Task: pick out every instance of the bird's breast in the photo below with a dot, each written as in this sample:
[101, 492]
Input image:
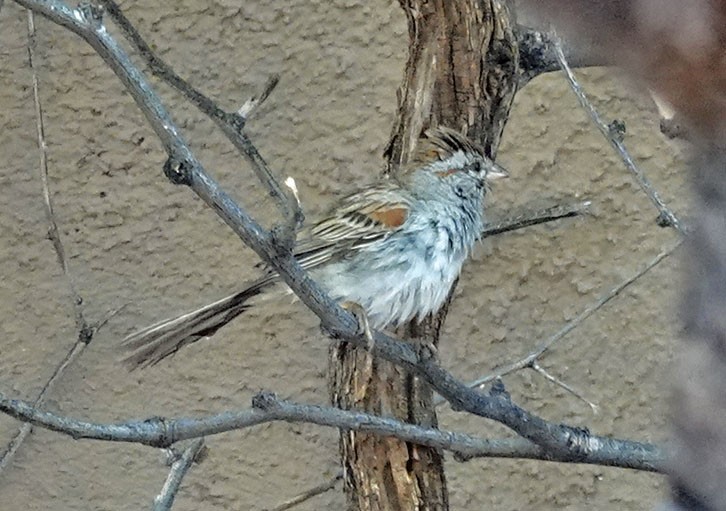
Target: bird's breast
[405, 276]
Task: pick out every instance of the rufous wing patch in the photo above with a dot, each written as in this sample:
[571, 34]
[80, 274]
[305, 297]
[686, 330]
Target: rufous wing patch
[432, 154]
[447, 172]
[390, 217]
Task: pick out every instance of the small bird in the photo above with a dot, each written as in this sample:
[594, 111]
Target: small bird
[393, 248]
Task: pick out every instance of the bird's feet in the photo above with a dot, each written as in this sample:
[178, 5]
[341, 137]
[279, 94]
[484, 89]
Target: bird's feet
[363, 324]
[427, 350]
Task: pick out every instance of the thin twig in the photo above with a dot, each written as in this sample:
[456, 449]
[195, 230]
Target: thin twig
[160, 69]
[182, 167]
[78, 347]
[231, 124]
[545, 345]
[540, 216]
[250, 106]
[614, 134]
[309, 494]
[538, 368]
[85, 331]
[53, 233]
[179, 468]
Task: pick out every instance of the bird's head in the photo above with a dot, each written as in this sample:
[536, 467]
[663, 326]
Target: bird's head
[446, 152]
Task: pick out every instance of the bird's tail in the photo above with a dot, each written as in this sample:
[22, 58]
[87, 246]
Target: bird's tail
[153, 344]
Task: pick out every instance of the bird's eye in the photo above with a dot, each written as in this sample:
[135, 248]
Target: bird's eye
[475, 167]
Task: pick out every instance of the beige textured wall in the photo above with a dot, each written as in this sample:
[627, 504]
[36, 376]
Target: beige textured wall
[133, 239]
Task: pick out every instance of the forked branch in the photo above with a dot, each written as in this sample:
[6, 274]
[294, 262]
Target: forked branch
[266, 407]
[556, 440]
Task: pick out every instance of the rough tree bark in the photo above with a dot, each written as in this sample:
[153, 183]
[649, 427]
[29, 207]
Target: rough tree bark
[462, 73]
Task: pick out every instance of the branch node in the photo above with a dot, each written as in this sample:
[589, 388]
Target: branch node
[202, 454]
[578, 441]
[427, 351]
[664, 220]
[165, 438]
[456, 405]
[86, 333]
[617, 130]
[235, 120]
[178, 170]
[462, 457]
[265, 401]
[332, 332]
[282, 239]
[90, 14]
[499, 390]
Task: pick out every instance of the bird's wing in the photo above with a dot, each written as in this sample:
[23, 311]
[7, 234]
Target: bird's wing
[358, 220]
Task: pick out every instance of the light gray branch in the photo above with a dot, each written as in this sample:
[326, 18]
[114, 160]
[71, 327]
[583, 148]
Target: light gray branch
[231, 124]
[545, 345]
[266, 407]
[614, 134]
[557, 440]
[530, 218]
[85, 331]
[567, 387]
[309, 494]
[179, 468]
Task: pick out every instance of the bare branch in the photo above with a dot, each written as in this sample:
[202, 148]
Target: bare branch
[307, 495]
[182, 167]
[266, 407]
[540, 216]
[545, 345]
[85, 331]
[231, 124]
[614, 134]
[53, 234]
[160, 69]
[179, 468]
[78, 347]
[539, 369]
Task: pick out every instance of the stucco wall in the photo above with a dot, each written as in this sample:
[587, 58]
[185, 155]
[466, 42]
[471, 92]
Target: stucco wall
[133, 239]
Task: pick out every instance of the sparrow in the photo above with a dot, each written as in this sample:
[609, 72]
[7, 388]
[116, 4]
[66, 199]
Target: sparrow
[394, 248]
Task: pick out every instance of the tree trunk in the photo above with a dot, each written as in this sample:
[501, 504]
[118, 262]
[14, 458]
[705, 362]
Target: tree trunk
[461, 73]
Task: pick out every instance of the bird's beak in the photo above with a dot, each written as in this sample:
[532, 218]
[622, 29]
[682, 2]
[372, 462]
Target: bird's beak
[497, 172]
